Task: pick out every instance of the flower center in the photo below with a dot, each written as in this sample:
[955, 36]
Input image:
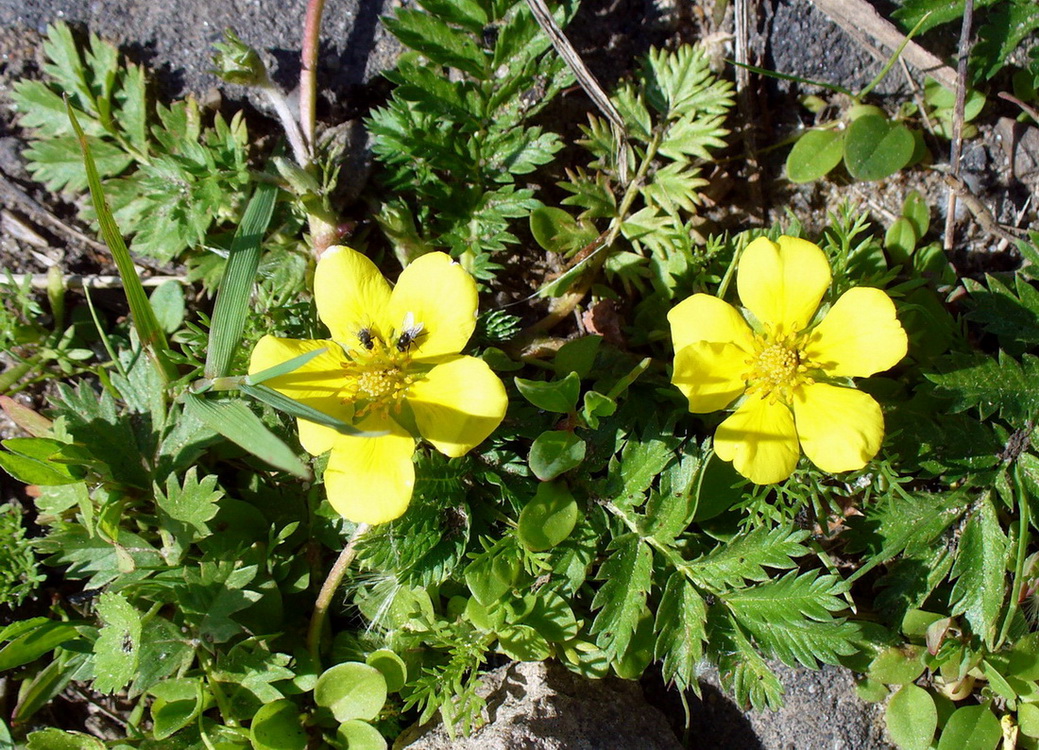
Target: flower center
[377, 374]
[777, 367]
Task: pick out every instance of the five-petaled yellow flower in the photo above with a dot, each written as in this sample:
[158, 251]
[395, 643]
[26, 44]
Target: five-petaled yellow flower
[393, 366]
[785, 372]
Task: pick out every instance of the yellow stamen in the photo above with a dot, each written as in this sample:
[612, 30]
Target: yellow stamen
[778, 367]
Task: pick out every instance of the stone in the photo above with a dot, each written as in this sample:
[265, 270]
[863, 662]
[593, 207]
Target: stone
[544, 706]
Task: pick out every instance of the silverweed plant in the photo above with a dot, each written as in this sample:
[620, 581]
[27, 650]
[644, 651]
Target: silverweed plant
[314, 508]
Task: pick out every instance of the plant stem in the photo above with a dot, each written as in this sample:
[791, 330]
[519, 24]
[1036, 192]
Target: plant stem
[300, 150]
[328, 589]
[308, 72]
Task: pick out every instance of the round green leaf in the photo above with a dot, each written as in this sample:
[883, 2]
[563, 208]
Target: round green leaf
[897, 665]
[360, 735]
[900, 239]
[278, 726]
[971, 728]
[555, 395]
[554, 452]
[1028, 719]
[392, 667]
[911, 718]
[351, 691]
[548, 518]
[875, 147]
[59, 739]
[815, 153]
[916, 209]
[557, 231]
[550, 614]
[523, 643]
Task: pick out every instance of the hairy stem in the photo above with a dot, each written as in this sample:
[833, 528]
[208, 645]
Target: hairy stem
[328, 590]
[308, 72]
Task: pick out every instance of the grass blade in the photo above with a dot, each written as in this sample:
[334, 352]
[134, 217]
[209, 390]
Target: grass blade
[288, 405]
[147, 325]
[232, 300]
[234, 420]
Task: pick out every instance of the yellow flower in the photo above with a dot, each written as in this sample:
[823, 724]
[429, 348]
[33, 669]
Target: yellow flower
[784, 371]
[393, 366]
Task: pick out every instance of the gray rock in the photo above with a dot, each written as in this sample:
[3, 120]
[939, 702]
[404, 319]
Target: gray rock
[544, 706]
[177, 38]
[821, 711]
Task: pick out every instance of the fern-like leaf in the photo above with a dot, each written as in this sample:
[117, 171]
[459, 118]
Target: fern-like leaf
[681, 630]
[747, 557]
[622, 598]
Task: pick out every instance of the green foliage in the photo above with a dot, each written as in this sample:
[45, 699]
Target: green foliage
[596, 526]
[19, 574]
[1002, 26]
[168, 176]
[456, 134]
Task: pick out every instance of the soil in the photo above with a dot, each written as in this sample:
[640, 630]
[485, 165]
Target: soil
[175, 41]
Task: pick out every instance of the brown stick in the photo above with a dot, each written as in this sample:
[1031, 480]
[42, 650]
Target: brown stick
[957, 121]
[858, 17]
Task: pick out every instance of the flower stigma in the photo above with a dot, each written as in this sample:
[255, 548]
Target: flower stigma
[377, 376]
[777, 368]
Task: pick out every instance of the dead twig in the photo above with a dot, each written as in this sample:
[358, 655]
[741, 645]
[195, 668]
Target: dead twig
[981, 213]
[957, 121]
[11, 192]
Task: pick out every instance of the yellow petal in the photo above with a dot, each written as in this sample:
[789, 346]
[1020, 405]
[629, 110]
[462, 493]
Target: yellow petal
[370, 480]
[706, 318]
[709, 374]
[760, 440]
[351, 295]
[782, 283]
[436, 299]
[859, 336]
[458, 404]
[317, 384]
[840, 429]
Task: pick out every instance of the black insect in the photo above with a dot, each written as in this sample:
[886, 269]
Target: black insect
[366, 338]
[127, 643]
[407, 338]
[409, 332]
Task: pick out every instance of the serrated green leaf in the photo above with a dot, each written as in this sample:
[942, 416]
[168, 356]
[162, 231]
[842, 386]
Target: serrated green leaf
[442, 44]
[931, 13]
[680, 81]
[675, 186]
[622, 598]
[746, 557]
[790, 617]
[1005, 28]
[117, 645]
[681, 630]
[1010, 314]
[742, 669]
[980, 571]
[692, 137]
[43, 111]
[58, 162]
[992, 385]
[189, 507]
